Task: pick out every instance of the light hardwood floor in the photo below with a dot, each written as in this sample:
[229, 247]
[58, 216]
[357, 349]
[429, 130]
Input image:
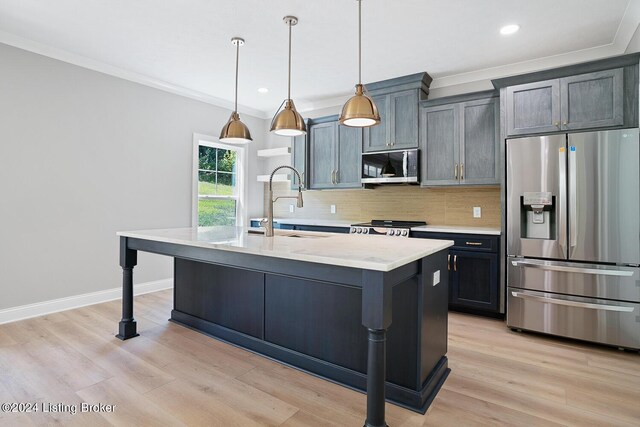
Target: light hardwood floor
[171, 375]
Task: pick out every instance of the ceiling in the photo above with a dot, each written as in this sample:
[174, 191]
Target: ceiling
[184, 46]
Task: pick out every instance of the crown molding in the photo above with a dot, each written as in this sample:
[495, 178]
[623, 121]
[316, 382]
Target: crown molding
[101, 67]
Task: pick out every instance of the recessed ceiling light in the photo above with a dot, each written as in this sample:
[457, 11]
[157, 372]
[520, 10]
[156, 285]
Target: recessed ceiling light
[509, 29]
[263, 90]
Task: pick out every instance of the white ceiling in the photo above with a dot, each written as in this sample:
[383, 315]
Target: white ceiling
[184, 45]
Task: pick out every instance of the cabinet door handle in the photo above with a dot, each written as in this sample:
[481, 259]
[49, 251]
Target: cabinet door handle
[448, 262]
[556, 124]
[455, 171]
[473, 243]
[455, 263]
[462, 171]
[333, 175]
[566, 122]
[337, 176]
[302, 176]
[393, 143]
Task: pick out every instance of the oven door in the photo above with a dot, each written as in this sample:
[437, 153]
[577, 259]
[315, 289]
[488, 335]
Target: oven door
[388, 167]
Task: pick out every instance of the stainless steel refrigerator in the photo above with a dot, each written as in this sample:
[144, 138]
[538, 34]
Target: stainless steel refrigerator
[573, 236]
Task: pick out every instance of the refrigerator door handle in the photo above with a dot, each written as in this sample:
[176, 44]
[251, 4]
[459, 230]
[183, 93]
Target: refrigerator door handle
[562, 301]
[544, 265]
[562, 202]
[573, 204]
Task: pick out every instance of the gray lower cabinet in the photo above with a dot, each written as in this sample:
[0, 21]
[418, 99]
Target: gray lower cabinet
[460, 143]
[398, 128]
[474, 273]
[335, 156]
[585, 101]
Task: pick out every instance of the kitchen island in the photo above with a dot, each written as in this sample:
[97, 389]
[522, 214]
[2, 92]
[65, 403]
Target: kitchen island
[353, 309]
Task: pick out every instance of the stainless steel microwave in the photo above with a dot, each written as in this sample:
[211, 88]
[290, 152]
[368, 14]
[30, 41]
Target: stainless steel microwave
[391, 167]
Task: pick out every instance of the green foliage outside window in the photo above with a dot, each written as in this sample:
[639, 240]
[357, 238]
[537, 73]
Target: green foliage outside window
[216, 177]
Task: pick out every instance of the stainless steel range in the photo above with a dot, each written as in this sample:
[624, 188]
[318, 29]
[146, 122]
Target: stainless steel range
[386, 227]
[573, 231]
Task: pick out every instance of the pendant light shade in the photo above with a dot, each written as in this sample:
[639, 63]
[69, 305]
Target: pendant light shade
[288, 122]
[234, 131]
[360, 110]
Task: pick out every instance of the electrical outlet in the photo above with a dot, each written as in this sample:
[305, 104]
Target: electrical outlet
[333, 209]
[436, 277]
[477, 212]
[292, 208]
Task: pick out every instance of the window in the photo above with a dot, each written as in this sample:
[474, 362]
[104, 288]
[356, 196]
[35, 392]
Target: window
[218, 183]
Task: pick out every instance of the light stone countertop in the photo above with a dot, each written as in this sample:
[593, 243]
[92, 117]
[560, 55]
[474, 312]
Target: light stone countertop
[379, 253]
[461, 229]
[318, 222]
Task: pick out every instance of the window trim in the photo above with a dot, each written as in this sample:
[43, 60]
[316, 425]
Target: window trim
[241, 177]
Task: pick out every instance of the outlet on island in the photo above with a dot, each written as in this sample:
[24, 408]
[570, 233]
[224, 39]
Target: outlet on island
[292, 208]
[333, 209]
[477, 212]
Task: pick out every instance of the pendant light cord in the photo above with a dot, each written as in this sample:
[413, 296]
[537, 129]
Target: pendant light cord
[237, 62]
[359, 41]
[289, 87]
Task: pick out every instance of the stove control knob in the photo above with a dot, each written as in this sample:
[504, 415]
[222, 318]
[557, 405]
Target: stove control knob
[365, 231]
[359, 230]
[405, 232]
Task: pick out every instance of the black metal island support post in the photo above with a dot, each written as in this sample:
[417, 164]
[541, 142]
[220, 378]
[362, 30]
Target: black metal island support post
[274, 296]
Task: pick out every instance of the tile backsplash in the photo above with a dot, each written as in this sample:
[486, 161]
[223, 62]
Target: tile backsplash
[437, 206]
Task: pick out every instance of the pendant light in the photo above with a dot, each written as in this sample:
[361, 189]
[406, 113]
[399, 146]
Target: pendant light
[235, 132]
[360, 110]
[288, 122]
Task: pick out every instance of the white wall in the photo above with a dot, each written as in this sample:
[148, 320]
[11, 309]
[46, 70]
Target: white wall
[82, 155]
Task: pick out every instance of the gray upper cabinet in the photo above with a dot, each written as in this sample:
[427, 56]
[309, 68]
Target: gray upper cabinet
[533, 108]
[322, 154]
[398, 128]
[403, 123]
[586, 101]
[460, 143]
[335, 155]
[440, 130]
[349, 162]
[480, 139]
[299, 159]
[376, 137]
[592, 100]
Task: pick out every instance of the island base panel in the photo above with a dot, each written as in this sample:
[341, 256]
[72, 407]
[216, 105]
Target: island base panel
[415, 400]
[316, 326]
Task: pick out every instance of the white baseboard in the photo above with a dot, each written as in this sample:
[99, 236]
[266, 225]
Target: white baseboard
[61, 304]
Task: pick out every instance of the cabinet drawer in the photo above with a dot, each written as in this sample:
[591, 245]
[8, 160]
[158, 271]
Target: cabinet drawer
[477, 242]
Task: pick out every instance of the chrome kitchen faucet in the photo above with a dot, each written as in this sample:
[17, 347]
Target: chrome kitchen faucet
[268, 222]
